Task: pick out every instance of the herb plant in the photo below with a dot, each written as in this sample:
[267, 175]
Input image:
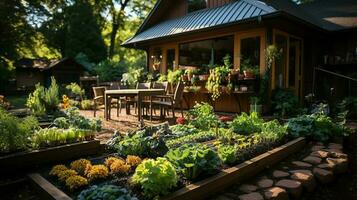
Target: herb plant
[156, 177]
[193, 160]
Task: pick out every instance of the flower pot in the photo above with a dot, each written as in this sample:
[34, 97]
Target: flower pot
[248, 74]
[256, 108]
[203, 77]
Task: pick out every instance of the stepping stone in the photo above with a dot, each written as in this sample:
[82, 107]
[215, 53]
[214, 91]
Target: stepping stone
[248, 188]
[231, 195]
[338, 155]
[324, 176]
[306, 178]
[265, 183]
[276, 193]
[335, 146]
[319, 143]
[326, 166]
[222, 197]
[301, 164]
[317, 147]
[305, 171]
[292, 186]
[332, 151]
[320, 154]
[280, 174]
[312, 160]
[251, 196]
[340, 165]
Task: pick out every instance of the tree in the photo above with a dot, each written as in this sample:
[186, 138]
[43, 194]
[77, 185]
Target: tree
[83, 33]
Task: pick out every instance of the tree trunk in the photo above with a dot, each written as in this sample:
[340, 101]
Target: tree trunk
[113, 34]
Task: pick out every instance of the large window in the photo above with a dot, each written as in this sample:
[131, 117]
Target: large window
[250, 51]
[206, 52]
[193, 5]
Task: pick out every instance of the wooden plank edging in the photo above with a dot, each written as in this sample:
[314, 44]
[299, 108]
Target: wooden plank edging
[203, 189]
[46, 189]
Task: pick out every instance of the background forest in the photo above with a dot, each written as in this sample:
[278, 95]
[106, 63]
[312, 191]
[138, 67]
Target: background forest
[90, 31]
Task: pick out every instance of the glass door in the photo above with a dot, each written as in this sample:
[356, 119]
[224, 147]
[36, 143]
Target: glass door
[170, 59]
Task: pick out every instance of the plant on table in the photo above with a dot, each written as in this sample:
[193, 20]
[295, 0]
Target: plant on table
[193, 160]
[215, 79]
[155, 177]
[249, 70]
[247, 124]
[174, 77]
[107, 192]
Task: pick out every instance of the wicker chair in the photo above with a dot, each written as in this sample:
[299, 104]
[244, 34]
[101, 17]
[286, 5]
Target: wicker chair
[170, 101]
[98, 99]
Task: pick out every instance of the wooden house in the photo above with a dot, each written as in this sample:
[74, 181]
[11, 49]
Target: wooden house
[29, 72]
[196, 33]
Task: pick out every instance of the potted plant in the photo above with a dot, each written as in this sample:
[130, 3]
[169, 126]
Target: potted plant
[189, 73]
[255, 105]
[248, 69]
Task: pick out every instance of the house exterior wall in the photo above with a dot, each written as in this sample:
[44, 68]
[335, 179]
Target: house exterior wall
[28, 78]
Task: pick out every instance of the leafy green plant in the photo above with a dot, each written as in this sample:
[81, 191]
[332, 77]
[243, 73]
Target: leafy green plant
[49, 137]
[14, 132]
[228, 154]
[76, 90]
[316, 126]
[203, 116]
[74, 120]
[215, 79]
[43, 100]
[162, 78]
[247, 124]
[247, 66]
[110, 70]
[174, 77]
[107, 192]
[193, 160]
[86, 104]
[193, 137]
[156, 177]
[285, 103]
[273, 130]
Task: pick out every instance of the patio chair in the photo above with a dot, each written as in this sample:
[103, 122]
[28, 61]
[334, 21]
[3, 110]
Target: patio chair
[98, 99]
[170, 101]
[121, 100]
[133, 101]
[156, 85]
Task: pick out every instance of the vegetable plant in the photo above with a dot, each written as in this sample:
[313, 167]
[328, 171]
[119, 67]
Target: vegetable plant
[107, 192]
[193, 160]
[228, 154]
[203, 116]
[156, 177]
[76, 90]
[285, 103]
[247, 124]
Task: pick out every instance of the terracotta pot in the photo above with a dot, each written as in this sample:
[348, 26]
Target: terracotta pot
[248, 74]
[203, 77]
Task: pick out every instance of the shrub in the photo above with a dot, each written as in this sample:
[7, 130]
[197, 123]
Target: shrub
[192, 160]
[14, 132]
[247, 124]
[80, 165]
[203, 116]
[107, 192]
[76, 182]
[109, 70]
[76, 90]
[285, 103]
[96, 172]
[43, 100]
[55, 171]
[156, 177]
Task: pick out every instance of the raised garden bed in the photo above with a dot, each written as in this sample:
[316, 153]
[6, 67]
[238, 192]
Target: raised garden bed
[204, 188]
[34, 158]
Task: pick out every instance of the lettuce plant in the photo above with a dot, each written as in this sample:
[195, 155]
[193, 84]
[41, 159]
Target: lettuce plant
[247, 124]
[193, 160]
[156, 177]
[228, 154]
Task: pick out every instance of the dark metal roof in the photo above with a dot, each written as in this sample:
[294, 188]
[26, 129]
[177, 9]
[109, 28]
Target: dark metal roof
[208, 18]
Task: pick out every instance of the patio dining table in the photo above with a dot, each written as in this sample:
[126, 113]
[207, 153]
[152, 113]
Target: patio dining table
[140, 93]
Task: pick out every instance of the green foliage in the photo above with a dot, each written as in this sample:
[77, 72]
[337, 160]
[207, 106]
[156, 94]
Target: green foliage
[76, 90]
[44, 101]
[193, 160]
[147, 142]
[228, 154]
[156, 177]
[316, 126]
[182, 130]
[162, 78]
[203, 116]
[107, 192]
[192, 137]
[348, 104]
[273, 130]
[215, 79]
[247, 124]
[49, 137]
[174, 77]
[285, 103]
[86, 105]
[111, 70]
[74, 120]
[247, 66]
[14, 132]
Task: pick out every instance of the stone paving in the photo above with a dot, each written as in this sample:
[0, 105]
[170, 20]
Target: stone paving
[291, 180]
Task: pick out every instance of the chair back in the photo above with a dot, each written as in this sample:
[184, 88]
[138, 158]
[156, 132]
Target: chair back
[143, 86]
[161, 85]
[178, 95]
[98, 91]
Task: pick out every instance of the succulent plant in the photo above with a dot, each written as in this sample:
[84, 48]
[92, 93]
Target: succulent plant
[76, 182]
